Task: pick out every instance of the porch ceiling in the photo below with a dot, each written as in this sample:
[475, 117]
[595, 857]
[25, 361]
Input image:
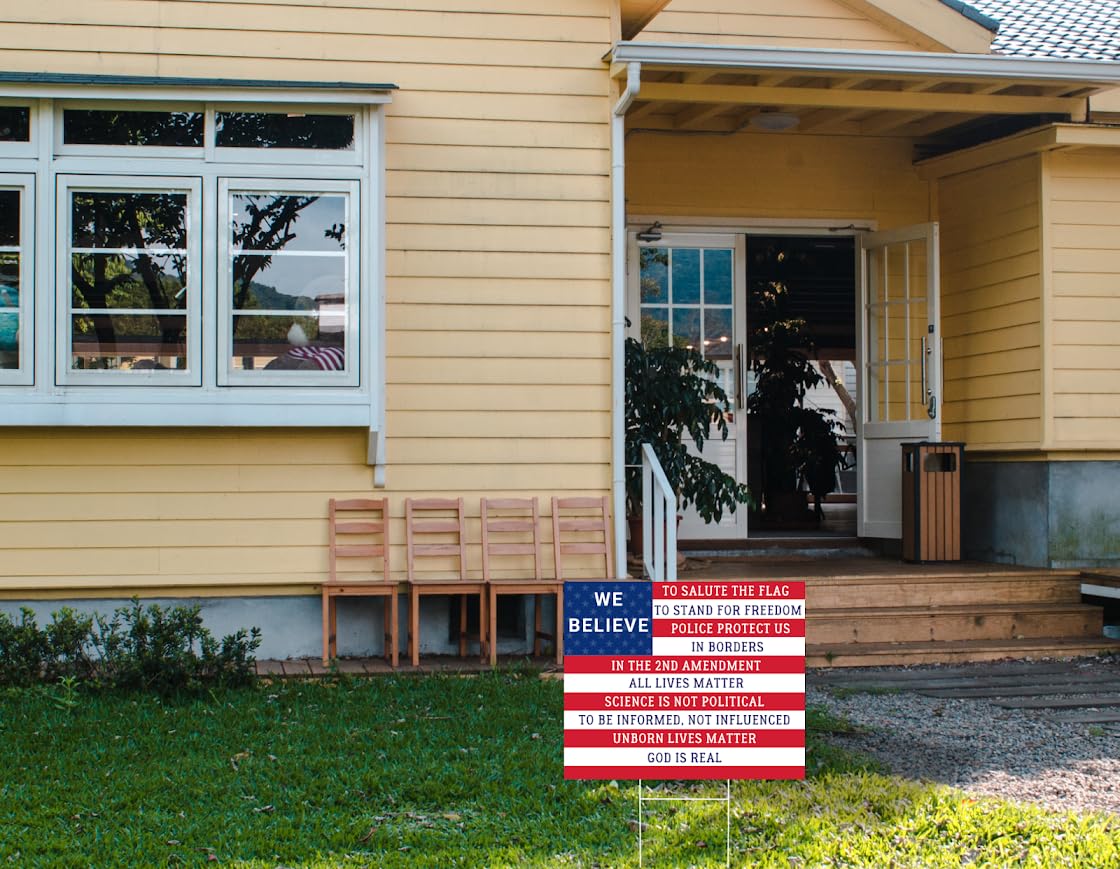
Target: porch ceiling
[908, 94]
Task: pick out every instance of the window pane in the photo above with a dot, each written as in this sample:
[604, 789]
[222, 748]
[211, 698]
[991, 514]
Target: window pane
[274, 342]
[129, 342]
[129, 289]
[289, 222]
[686, 327]
[686, 276]
[655, 327]
[655, 273]
[277, 130]
[291, 282]
[717, 333]
[106, 127]
[717, 277]
[120, 280]
[9, 218]
[9, 279]
[121, 219]
[15, 124]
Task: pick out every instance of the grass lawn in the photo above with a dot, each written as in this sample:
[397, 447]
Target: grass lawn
[445, 771]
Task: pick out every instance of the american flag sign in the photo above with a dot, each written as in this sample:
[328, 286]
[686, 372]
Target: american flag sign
[684, 680]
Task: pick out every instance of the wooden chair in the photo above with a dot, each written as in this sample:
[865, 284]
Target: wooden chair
[437, 528]
[355, 526]
[511, 528]
[582, 526]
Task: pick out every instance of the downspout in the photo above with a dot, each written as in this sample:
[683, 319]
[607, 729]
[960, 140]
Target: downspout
[618, 310]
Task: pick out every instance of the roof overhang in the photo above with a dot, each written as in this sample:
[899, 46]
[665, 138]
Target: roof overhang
[916, 94]
[62, 85]
[935, 24]
[636, 14]
[1055, 137]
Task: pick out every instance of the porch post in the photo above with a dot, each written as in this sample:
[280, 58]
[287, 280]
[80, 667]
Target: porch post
[618, 311]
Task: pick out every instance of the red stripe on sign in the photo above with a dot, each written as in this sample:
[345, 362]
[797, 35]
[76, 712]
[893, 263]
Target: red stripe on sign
[724, 629]
[744, 589]
[684, 738]
[690, 701]
[682, 664]
[683, 773]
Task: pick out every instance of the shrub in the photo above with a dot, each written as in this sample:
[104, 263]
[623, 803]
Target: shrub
[152, 648]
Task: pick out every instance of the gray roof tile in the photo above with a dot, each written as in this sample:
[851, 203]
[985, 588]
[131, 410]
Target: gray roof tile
[1072, 29]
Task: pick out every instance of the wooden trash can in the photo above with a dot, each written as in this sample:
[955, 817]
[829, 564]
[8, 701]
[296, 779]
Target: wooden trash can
[931, 501]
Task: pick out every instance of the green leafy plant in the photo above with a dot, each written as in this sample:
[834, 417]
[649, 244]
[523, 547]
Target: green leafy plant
[798, 443]
[24, 649]
[671, 394]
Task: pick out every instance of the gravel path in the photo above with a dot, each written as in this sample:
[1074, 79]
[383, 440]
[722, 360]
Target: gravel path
[984, 749]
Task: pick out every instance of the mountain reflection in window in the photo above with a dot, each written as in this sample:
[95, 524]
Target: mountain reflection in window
[109, 127]
[291, 281]
[129, 289]
[276, 130]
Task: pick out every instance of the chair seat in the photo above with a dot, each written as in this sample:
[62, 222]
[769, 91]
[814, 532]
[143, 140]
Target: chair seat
[360, 587]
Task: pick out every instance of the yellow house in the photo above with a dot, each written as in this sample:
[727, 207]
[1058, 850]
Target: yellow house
[256, 255]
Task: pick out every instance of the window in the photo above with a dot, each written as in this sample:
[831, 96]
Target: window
[16, 285]
[210, 263]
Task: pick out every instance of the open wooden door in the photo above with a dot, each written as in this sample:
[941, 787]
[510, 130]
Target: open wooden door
[900, 366]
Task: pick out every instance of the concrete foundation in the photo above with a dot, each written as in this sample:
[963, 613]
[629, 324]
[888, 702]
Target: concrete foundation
[291, 627]
[1042, 514]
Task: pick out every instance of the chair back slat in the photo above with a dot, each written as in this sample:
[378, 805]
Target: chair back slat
[505, 524]
[359, 528]
[574, 520]
[422, 519]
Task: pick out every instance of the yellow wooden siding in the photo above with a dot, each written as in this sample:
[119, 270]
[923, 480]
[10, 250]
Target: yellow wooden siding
[1084, 228]
[761, 175]
[498, 293]
[991, 304]
[795, 23]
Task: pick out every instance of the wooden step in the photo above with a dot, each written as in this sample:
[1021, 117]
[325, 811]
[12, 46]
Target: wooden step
[944, 589]
[971, 622]
[952, 651]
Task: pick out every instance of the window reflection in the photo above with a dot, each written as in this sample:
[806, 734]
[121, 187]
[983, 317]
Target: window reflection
[106, 127]
[15, 124]
[288, 130]
[129, 284]
[9, 279]
[291, 281]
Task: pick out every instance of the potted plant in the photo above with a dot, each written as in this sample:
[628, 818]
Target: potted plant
[671, 395]
[798, 443]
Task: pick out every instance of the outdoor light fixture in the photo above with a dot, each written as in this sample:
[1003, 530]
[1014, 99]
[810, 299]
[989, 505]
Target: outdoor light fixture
[774, 122]
[651, 232]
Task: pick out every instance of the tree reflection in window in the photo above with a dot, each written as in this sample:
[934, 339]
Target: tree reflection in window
[9, 279]
[129, 284]
[276, 130]
[290, 281]
[108, 127]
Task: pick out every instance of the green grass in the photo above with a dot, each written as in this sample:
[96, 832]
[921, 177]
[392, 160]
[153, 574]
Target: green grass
[447, 771]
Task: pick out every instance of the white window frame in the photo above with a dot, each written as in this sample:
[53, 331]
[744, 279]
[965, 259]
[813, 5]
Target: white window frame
[45, 401]
[227, 374]
[189, 376]
[25, 184]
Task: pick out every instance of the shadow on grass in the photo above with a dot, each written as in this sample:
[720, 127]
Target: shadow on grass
[442, 771]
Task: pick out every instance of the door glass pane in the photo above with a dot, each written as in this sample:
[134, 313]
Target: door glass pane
[284, 130]
[654, 274]
[10, 254]
[655, 327]
[109, 127]
[897, 320]
[717, 277]
[686, 276]
[291, 282]
[129, 288]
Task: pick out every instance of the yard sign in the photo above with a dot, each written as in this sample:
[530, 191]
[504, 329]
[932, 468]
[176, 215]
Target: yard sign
[684, 680]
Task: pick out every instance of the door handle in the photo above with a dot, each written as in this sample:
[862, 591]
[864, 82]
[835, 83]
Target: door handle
[927, 391]
[738, 378]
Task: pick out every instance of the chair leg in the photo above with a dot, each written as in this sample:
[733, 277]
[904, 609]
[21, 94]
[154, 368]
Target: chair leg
[326, 630]
[537, 600]
[332, 611]
[559, 642]
[414, 627]
[492, 625]
[390, 649]
[463, 626]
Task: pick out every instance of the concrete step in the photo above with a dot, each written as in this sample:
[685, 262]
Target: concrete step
[946, 588]
[952, 651]
[1004, 621]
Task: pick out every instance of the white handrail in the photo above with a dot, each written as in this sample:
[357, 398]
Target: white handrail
[659, 520]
